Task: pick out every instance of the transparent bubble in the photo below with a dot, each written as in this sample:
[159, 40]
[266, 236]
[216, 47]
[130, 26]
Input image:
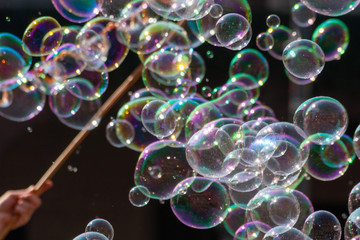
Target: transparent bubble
[273, 21]
[302, 16]
[303, 59]
[297, 80]
[354, 198]
[234, 219]
[77, 11]
[306, 208]
[282, 37]
[169, 160]
[251, 231]
[139, 196]
[119, 133]
[285, 233]
[62, 102]
[112, 8]
[200, 209]
[352, 225]
[333, 37]
[332, 7]
[101, 226]
[158, 118]
[274, 206]
[264, 41]
[356, 142]
[322, 224]
[324, 119]
[216, 11]
[91, 236]
[35, 33]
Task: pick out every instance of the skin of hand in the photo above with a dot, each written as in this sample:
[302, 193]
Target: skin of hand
[22, 203]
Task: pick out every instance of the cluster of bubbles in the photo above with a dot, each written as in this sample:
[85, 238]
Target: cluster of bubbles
[221, 158]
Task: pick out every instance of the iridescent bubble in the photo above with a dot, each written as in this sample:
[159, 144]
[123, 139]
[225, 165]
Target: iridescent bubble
[265, 41]
[335, 154]
[91, 236]
[352, 225]
[158, 118]
[6, 98]
[78, 11]
[356, 142]
[250, 231]
[35, 33]
[282, 37]
[62, 102]
[200, 209]
[303, 58]
[333, 37]
[332, 7]
[101, 226]
[241, 199]
[324, 119]
[119, 133]
[322, 225]
[169, 160]
[285, 233]
[231, 28]
[216, 11]
[234, 219]
[273, 21]
[252, 62]
[190, 10]
[274, 206]
[354, 198]
[139, 196]
[306, 208]
[302, 16]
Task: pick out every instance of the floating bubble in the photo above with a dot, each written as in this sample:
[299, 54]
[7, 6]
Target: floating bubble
[356, 142]
[241, 199]
[101, 226]
[332, 7]
[158, 118]
[77, 11]
[169, 160]
[264, 41]
[12, 67]
[234, 219]
[274, 206]
[119, 133]
[303, 59]
[282, 37]
[352, 225]
[216, 11]
[91, 235]
[139, 196]
[112, 9]
[297, 80]
[35, 33]
[333, 37]
[302, 16]
[324, 119]
[322, 224]
[273, 21]
[306, 208]
[354, 198]
[6, 98]
[200, 209]
[285, 233]
[62, 102]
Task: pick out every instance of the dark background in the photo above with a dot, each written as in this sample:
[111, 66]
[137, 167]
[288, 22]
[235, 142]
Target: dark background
[105, 174]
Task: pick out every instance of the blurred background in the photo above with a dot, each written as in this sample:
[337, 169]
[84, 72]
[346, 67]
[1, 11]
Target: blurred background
[96, 180]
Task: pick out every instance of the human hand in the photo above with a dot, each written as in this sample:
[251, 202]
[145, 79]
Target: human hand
[21, 203]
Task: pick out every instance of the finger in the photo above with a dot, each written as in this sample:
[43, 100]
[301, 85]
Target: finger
[9, 199]
[32, 199]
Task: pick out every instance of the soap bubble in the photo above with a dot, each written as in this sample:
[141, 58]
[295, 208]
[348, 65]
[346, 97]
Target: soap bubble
[324, 119]
[120, 133]
[112, 9]
[241, 199]
[234, 219]
[161, 166]
[322, 224]
[101, 226]
[282, 37]
[216, 11]
[91, 236]
[333, 37]
[265, 41]
[139, 196]
[273, 21]
[297, 80]
[77, 11]
[306, 208]
[357, 141]
[250, 231]
[302, 16]
[303, 58]
[200, 203]
[285, 233]
[62, 102]
[354, 198]
[332, 7]
[158, 118]
[352, 225]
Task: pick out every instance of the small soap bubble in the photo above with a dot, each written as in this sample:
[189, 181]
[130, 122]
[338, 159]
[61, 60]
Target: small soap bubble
[273, 21]
[302, 16]
[29, 129]
[101, 226]
[139, 196]
[265, 41]
[210, 54]
[206, 91]
[216, 11]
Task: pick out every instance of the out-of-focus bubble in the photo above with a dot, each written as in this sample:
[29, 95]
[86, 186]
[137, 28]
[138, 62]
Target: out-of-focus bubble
[101, 226]
[274, 206]
[302, 16]
[322, 225]
[231, 28]
[200, 209]
[260, 112]
[159, 118]
[273, 21]
[303, 58]
[324, 119]
[282, 37]
[252, 62]
[210, 54]
[6, 98]
[332, 7]
[27, 101]
[216, 11]
[234, 219]
[354, 198]
[83, 115]
[35, 33]
[333, 37]
[315, 165]
[285, 233]
[91, 235]
[78, 11]
[169, 160]
[265, 41]
[352, 225]
[112, 8]
[139, 196]
[119, 133]
[12, 67]
[306, 208]
[62, 102]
